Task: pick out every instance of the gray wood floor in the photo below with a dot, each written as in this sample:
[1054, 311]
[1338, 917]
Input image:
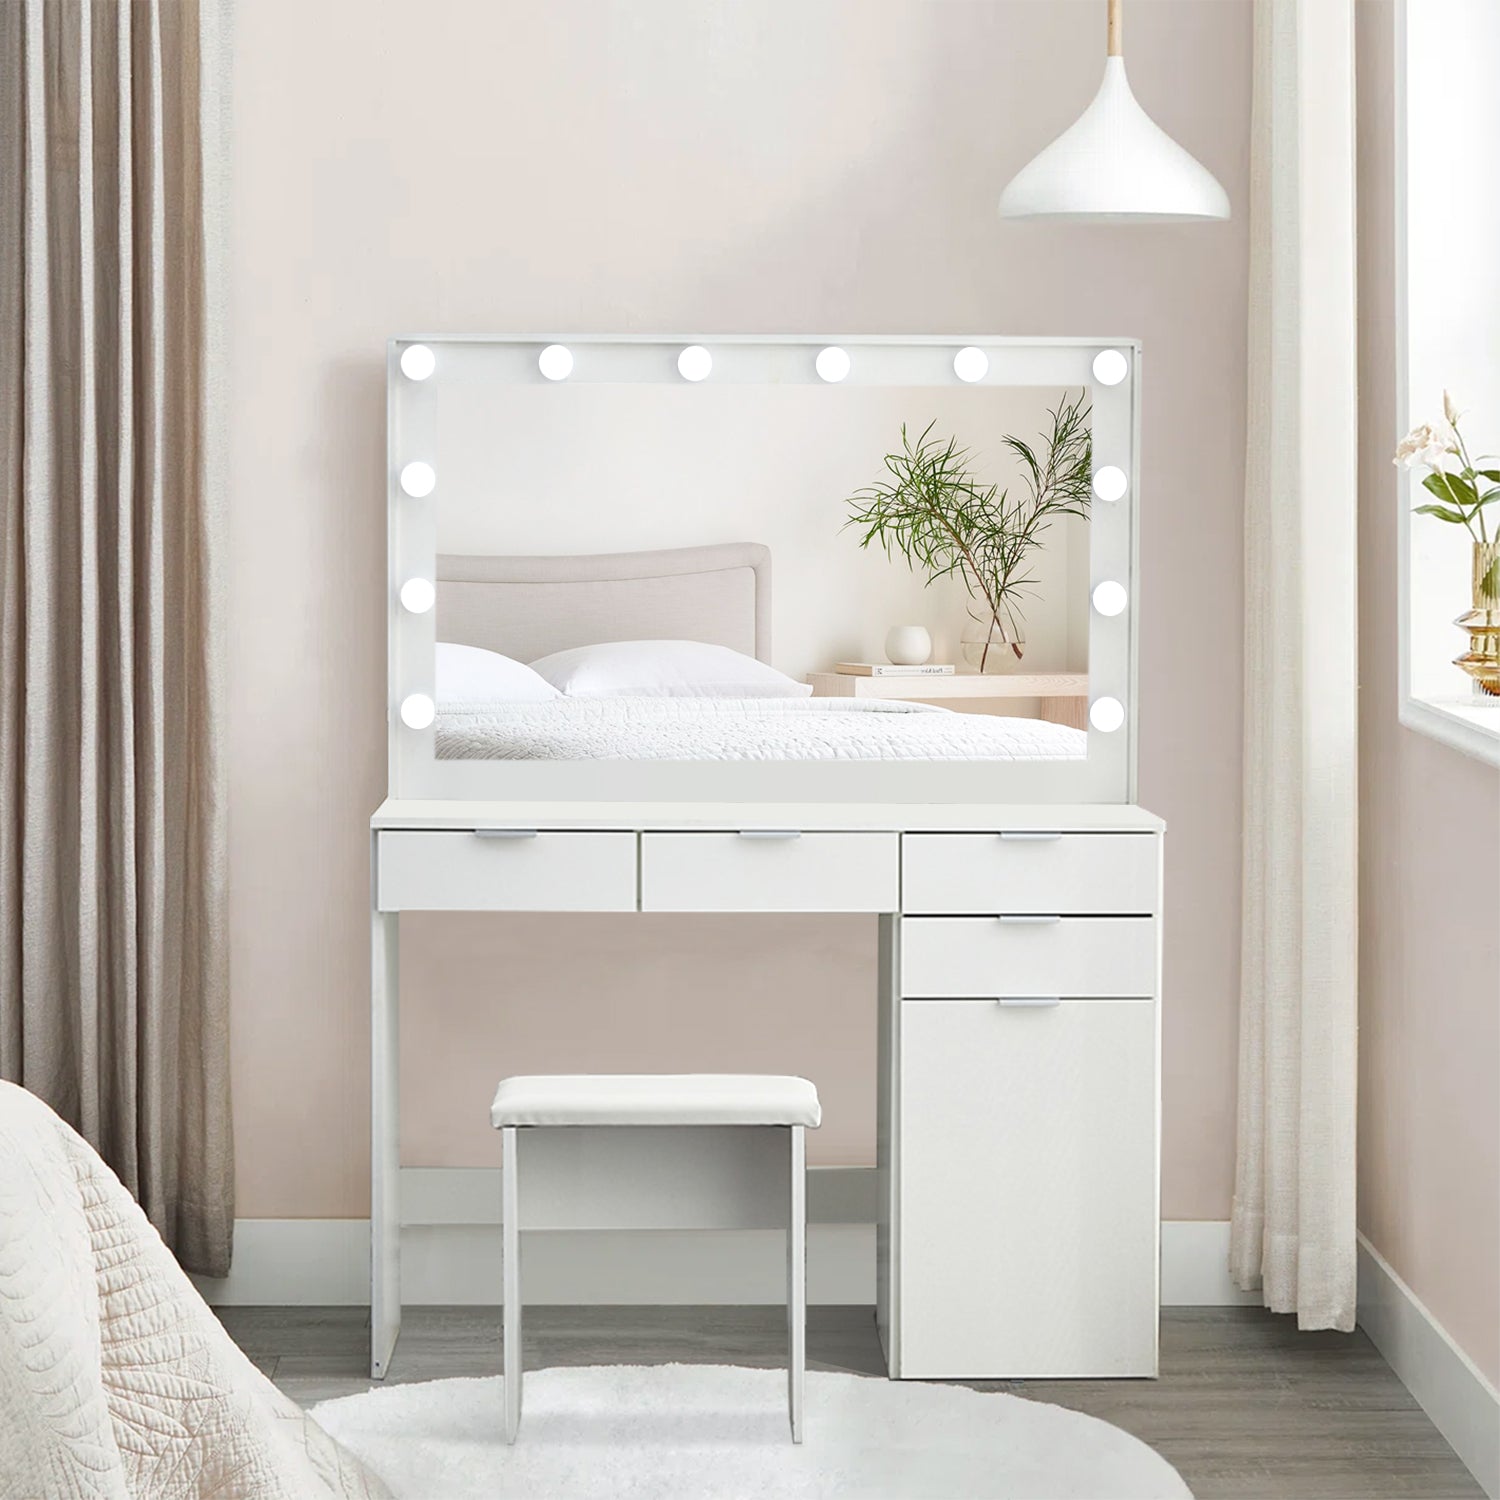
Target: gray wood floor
[1245, 1406]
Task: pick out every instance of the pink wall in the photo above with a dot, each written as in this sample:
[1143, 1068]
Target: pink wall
[1429, 1130]
[514, 167]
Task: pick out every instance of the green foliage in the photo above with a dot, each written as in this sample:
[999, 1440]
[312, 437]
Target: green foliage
[935, 514]
[1453, 488]
[1461, 500]
[1443, 513]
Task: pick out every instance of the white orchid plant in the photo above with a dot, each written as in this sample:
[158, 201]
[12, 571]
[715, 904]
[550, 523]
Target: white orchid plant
[1460, 487]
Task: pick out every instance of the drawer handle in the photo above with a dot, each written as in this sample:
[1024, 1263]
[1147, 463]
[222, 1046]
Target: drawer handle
[1024, 919]
[505, 833]
[770, 833]
[1029, 1002]
[1027, 836]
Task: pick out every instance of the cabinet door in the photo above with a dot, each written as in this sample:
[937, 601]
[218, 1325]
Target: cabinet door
[1028, 1189]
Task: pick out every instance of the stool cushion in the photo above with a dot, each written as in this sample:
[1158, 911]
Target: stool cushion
[655, 1099]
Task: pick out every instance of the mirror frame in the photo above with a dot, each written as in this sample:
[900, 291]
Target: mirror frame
[1106, 774]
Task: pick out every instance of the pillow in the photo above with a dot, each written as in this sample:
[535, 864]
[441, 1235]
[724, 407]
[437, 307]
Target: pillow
[664, 669]
[470, 674]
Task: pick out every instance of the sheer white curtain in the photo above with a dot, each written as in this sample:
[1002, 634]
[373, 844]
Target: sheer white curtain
[1293, 1221]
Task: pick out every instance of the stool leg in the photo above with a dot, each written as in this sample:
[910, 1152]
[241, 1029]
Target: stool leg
[510, 1233]
[796, 1281]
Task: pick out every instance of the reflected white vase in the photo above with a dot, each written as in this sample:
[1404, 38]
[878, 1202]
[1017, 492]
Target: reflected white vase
[908, 646]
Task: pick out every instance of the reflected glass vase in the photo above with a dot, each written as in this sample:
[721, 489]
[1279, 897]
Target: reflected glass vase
[1482, 660]
[993, 643]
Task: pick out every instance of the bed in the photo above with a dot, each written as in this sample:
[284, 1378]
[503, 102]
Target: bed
[529, 607]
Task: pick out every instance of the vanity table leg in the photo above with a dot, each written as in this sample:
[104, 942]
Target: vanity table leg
[510, 1271]
[385, 1141]
[796, 1281]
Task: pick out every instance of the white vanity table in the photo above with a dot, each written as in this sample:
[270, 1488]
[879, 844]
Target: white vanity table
[1018, 899]
[1019, 1022]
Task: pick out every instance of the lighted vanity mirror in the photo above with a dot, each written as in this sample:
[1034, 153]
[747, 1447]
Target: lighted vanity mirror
[763, 568]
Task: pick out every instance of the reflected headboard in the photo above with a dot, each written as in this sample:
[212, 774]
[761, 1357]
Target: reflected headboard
[528, 607]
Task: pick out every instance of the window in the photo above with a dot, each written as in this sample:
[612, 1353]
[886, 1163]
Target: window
[1448, 289]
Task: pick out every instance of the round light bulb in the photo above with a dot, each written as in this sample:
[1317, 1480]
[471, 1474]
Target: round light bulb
[694, 362]
[832, 365]
[1106, 714]
[417, 711]
[417, 361]
[418, 595]
[418, 479]
[555, 362]
[1110, 367]
[1109, 597]
[971, 364]
[1110, 483]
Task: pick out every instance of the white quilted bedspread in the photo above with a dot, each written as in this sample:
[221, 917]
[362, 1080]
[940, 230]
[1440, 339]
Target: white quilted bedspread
[743, 729]
[115, 1378]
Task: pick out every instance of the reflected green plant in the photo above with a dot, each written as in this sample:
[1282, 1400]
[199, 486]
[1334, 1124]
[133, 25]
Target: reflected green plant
[944, 522]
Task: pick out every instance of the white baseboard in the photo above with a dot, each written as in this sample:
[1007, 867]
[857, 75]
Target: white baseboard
[294, 1263]
[1195, 1265]
[450, 1254]
[1447, 1384]
[326, 1263]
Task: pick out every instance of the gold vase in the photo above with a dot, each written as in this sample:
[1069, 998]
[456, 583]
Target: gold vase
[1482, 660]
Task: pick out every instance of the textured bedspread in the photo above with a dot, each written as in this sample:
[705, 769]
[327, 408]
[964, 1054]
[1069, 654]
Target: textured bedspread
[743, 729]
[115, 1378]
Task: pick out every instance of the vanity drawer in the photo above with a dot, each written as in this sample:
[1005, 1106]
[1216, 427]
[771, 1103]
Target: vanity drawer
[1073, 957]
[505, 871]
[770, 871]
[1070, 874]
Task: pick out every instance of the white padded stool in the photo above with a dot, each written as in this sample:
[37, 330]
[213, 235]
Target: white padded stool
[693, 1099]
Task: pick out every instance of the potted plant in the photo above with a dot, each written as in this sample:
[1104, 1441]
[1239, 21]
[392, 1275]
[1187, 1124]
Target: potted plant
[1462, 489]
[940, 518]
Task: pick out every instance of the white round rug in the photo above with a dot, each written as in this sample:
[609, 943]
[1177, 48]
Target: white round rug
[701, 1431]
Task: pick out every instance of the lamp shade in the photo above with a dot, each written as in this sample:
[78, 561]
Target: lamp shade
[1115, 162]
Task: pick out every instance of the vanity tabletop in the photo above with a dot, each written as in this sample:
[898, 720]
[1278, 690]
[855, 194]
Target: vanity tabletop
[901, 817]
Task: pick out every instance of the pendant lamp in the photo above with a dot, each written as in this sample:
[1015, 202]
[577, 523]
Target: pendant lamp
[1114, 164]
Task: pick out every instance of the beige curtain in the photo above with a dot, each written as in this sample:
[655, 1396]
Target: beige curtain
[113, 951]
[1293, 1232]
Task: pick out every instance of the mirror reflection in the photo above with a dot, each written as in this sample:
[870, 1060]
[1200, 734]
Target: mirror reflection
[779, 572]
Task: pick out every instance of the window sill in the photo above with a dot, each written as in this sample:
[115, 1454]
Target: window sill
[1465, 724]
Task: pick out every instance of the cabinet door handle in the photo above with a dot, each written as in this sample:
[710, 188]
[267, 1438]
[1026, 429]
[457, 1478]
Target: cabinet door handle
[770, 833]
[1028, 836]
[1029, 1002]
[1024, 919]
[505, 833]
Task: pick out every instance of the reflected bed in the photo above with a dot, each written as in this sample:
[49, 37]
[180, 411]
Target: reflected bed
[528, 607]
[742, 729]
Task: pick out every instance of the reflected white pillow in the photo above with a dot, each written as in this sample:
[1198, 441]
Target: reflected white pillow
[664, 669]
[470, 674]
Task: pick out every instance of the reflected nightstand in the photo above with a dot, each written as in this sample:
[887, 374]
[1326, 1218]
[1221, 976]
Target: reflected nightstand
[1064, 696]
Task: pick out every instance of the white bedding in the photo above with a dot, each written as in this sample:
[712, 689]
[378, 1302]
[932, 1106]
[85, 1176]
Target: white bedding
[743, 729]
[116, 1381]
